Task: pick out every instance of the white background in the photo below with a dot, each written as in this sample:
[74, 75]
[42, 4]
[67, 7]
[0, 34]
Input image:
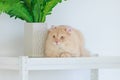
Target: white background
[99, 20]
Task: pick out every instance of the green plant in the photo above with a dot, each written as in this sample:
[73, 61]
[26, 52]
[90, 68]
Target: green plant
[28, 10]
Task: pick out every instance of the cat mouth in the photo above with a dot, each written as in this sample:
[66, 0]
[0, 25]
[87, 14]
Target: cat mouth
[56, 44]
[59, 45]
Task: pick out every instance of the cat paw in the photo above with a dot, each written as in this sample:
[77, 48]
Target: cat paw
[65, 54]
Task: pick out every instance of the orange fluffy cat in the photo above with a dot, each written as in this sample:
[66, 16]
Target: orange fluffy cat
[65, 41]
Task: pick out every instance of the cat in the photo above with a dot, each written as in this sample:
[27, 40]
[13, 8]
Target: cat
[65, 41]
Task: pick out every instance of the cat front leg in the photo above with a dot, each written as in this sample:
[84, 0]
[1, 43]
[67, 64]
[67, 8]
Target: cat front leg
[51, 55]
[65, 54]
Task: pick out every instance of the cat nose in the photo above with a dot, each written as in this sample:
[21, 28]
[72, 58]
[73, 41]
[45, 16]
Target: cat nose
[56, 42]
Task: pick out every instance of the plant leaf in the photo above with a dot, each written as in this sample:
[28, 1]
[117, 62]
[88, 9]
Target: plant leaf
[49, 6]
[28, 10]
[15, 8]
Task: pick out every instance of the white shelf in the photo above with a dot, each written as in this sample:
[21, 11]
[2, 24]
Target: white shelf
[59, 63]
[24, 64]
[72, 63]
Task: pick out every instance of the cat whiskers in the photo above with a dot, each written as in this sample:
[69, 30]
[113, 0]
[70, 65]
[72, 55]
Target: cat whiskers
[56, 44]
[59, 45]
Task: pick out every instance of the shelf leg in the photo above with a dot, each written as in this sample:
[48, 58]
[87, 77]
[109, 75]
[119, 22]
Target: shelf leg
[22, 68]
[94, 74]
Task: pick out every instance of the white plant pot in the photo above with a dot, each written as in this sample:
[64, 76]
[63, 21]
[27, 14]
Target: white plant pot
[35, 36]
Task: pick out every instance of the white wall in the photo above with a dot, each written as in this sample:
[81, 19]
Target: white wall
[99, 20]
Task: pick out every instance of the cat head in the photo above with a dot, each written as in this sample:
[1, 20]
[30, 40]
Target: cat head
[60, 34]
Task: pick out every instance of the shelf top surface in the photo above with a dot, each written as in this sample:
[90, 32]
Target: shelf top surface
[59, 63]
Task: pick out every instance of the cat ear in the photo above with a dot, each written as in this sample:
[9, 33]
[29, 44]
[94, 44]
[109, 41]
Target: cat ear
[69, 30]
[53, 27]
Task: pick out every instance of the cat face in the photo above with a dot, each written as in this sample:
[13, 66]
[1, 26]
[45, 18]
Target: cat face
[59, 35]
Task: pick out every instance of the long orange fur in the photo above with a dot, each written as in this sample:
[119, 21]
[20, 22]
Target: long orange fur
[65, 41]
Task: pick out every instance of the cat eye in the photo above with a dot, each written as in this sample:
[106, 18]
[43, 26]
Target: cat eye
[53, 36]
[62, 37]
